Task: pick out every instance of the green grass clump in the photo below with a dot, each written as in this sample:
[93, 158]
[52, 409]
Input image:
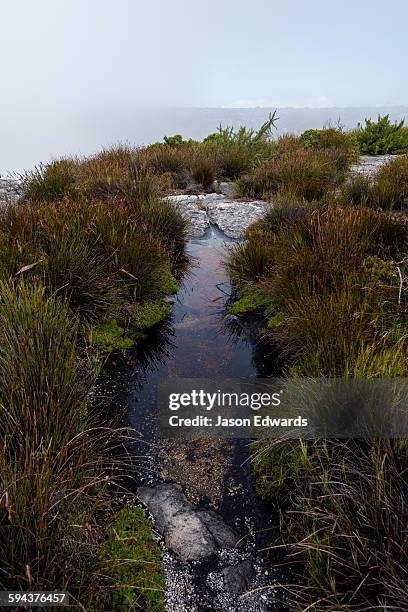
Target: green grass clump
[55, 460]
[132, 560]
[150, 314]
[110, 336]
[306, 173]
[390, 189]
[100, 258]
[52, 182]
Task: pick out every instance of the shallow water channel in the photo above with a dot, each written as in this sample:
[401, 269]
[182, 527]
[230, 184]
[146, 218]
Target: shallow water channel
[200, 340]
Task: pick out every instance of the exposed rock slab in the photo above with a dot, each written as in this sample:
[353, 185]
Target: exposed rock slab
[10, 190]
[193, 212]
[190, 533]
[233, 217]
[369, 165]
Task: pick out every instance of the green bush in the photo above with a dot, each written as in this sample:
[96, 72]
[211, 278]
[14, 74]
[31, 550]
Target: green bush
[381, 137]
[328, 138]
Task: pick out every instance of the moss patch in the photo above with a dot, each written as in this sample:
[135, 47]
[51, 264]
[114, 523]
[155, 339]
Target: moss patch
[275, 320]
[150, 314]
[132, 559]
[246, 303]
[168, 283]
[111, 337]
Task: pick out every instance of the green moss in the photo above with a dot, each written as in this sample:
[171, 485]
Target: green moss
[150, 314]
[111, 337]
[246, 303]
[132, 560]
[168, 283]
[275, 320]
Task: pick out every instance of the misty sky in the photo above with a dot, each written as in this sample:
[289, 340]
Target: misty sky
[65, 58]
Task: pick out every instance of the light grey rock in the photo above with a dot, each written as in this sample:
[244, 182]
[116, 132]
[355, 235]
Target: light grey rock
[234, 217]
[193, 535]
[226, 188]
[10, 190]
[369, 165]
[237, 578]
[193, 211]
[209, 198]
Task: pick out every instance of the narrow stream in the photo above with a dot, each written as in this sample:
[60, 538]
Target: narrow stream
[200, 341]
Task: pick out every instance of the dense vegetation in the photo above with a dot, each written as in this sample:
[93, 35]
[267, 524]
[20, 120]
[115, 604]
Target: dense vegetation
[329, 275]
[83, 272]
[86, 257]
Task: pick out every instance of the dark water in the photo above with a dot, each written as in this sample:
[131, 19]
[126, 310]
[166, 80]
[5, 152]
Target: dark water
[199, 341]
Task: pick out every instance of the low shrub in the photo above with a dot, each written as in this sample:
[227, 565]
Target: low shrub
[328, 138]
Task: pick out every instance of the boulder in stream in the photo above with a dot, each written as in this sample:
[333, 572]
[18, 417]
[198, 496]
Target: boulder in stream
[191, 533]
